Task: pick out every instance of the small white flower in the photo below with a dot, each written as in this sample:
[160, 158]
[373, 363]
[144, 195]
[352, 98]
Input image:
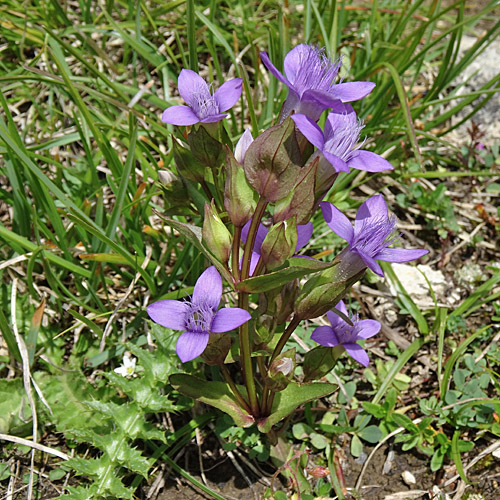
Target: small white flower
[127, 369]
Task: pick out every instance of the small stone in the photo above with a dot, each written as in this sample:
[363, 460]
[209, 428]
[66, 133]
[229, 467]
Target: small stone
[408, 478]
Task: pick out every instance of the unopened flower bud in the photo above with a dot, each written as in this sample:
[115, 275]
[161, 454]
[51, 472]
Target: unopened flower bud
[318, 471]
[215, 234]
[240, 199]
[281, 371]
[279, 244]
[273, 160]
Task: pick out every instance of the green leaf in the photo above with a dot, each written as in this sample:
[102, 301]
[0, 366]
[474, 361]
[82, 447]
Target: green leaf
[295, 268]
[372, 434]
[290, 399]
[356, 446]
[217, 394]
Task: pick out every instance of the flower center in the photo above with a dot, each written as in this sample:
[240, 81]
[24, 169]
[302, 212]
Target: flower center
[375, 235]
[344, 139]
[346, 333]
[200, 318]
[316, 71]
[204, 104]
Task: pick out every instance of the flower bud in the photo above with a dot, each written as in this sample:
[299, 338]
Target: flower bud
[187, 165]
[322, 292]
[240, 199]
[273, 160]
[320, 361]
[217, 349]
[215, 234]
[279, 244]
[205, 149]
[281, 371]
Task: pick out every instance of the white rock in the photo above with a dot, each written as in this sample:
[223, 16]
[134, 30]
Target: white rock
[416, 285]
[408, 478]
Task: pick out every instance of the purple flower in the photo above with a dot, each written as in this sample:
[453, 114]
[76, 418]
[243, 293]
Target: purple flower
[198, 317]
[370, 238]
[339, 142]
[342, 333]
[304, 233]
[310, 76]
[203, 106]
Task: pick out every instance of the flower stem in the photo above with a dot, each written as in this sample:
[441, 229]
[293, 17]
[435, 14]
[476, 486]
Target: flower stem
[243, 300]
[246, 357]
[237, 394]
[268, 395]
[235, 255]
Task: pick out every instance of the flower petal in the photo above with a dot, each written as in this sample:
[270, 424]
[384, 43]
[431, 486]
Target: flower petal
[191, 344]
[214, 118]
[310, 130]
[337, 163]
[294, 60]
[337, 221]
[208, 288]
[270, 66]
[401, 254]
[367, 328]
[228, 319]
[254, 260]
[323, 99]
[352, 91]
[169, 313]
[368, 161]
[192, 87]
[373, 208]
[179, 115]
[242, 145]
[357, 353]
[304, 233]
[228, 93]
[324, 335]
[370, 262]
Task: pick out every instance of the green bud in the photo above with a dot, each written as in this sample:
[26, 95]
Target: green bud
[281, 371]
[320, 361]
[217, 349]
[279, 244]
[215, 234]
[207, 150]
[240, 199]
[321, 293]
[187, 165]
[273, 160]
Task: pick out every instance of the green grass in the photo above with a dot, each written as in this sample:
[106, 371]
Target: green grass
[79, 164]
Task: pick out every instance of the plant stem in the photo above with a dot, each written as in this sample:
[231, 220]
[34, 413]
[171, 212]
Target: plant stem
[243, 300]
[246, 357]
[237, 394]
[235, 255]
[267, 394]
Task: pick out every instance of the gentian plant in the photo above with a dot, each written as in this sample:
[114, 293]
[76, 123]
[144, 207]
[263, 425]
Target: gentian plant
[259, 197]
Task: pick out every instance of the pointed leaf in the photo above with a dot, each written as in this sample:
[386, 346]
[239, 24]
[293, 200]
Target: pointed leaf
[217, 394]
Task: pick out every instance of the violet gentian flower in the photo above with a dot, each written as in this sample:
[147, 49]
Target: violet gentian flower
[370, 238]
[198, 317]
[304, 233]
[339, 143]
[342, 333]
[202, 105]
[309, 76]
[242, 145]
